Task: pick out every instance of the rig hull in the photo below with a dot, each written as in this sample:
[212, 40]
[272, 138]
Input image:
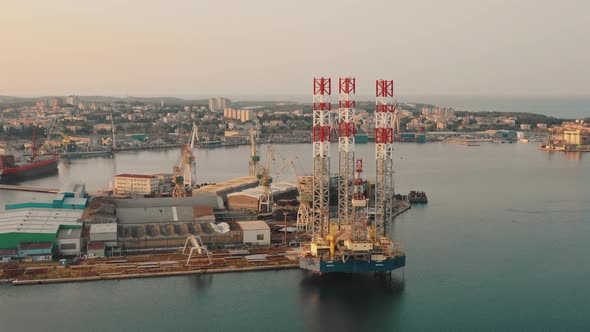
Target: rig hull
[351, 266]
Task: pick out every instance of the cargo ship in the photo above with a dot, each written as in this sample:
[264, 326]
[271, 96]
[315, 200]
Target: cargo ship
[12, 169]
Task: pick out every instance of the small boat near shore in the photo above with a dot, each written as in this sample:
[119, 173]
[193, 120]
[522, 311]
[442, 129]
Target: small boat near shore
[417, 197]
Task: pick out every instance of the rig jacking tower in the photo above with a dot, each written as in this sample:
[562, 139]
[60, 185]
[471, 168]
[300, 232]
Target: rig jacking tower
[346, 133]
[322, 89]
[384, 123]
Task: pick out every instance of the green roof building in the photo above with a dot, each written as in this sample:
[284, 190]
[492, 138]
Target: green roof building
[34, 225]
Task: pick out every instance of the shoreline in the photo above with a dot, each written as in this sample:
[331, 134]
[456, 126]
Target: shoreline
[16, 282]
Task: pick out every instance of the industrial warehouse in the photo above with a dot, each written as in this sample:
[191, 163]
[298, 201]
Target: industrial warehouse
[222, 214]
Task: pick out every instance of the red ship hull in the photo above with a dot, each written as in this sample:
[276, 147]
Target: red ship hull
[33, 169]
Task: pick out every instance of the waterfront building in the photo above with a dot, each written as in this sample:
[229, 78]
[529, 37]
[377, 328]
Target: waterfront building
[165, 179]
[572, 137]
[37, 251]
[69, 242]
[255, 232]
[104, 233]
[136, 184]
[95, 250]
[542, 125]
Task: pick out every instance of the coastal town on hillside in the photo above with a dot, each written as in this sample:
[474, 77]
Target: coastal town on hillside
[83, 124]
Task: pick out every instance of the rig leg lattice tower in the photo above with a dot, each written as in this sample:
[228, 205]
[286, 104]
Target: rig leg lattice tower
[384, 113]
[346, 133]
[359, 206]
[322, 89]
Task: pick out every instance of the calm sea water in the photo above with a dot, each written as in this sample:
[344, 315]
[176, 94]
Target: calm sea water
[568, 107]
[502, 245]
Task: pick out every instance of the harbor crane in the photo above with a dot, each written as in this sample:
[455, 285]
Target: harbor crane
[183, 173]
[254, 158]
[114, 131]
[265, 202]
[305, 190]
[194, 136]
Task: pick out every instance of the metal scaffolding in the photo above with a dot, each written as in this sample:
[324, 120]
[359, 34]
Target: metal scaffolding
[346, 132]
[384, 117]
[322, 89]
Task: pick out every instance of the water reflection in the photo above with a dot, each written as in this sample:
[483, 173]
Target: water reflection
[201, 281]
[343, 302]
[21, 180]
[573, 155]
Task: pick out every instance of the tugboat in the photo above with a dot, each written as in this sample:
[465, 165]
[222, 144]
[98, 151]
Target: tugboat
[417, 197]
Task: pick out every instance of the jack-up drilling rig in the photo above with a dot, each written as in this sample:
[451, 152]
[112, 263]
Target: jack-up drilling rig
[356, 244]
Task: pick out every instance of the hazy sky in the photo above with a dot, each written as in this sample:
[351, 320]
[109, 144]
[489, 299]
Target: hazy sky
[251, 48]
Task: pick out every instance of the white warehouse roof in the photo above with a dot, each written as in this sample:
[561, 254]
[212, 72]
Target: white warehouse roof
[103, 228]
[275, 189]
[37, 220]
[254, 225]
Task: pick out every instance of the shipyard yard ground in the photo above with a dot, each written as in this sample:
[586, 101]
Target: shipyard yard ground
[152, 265]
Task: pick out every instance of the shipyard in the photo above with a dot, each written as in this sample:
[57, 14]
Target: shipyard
[164, 224]
[294, 166]
[168, 223]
